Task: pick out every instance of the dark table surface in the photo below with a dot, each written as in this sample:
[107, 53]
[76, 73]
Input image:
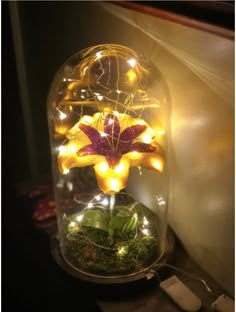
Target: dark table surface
[32, 281]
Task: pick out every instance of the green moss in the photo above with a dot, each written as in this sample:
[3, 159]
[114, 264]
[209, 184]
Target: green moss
[93, 249]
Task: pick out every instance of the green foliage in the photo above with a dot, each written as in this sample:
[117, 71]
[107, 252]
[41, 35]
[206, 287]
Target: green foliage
[117, 245]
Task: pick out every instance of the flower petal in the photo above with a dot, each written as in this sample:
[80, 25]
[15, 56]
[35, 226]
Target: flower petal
[142, 147]
[130, 133]
[112, 126]
[91, 132]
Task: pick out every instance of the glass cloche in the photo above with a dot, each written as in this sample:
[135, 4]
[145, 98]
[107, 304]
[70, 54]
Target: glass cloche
[109, 115]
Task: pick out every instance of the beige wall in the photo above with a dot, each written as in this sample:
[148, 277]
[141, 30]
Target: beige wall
[199, 70]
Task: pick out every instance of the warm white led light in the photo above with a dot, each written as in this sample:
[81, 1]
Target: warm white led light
[103, 134]
[90, 205]
[132, 62]
[79, 218]
[62, 115]
[98, 55]
[62, 149]
[98, 197]
[105, 202]
[111, 121]
[147, 138]
[100, 97]
[103, 167]
[145, 221]
[114, 184]
[146, 232]
[72, 224]
[72, 149]
[66, 171]
[122, 251]
[120, 168]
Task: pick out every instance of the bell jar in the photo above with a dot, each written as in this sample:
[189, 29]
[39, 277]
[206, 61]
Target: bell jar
[109, 122]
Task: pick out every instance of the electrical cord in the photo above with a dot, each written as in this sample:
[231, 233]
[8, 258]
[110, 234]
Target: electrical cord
[160, 265]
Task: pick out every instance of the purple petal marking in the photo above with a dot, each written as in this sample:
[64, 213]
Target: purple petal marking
[87, 150]
[91, 133]
[112, 126]
[142, 147]
[130, 133]
[113, 160]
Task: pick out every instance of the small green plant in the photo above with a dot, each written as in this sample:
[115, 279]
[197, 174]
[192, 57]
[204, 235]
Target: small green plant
[123, 243]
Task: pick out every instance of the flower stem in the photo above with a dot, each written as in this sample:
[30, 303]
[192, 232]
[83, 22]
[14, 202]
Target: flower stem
[112, 204]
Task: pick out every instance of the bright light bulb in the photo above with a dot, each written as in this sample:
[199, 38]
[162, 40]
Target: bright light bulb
[135, 155]
[98, 55]
[72, 224]
[111, 121]
[147, 138]
[103, 167]
[120, 168]
[132, 62]
[90, 205]
[122, 251]
[79, 218]
[160, 132]
[66, 171]
[62, 149]
[115, 113]
[105, 202]
[114, 184]
[62, 115]
[145, 221]
[146, 232]
[100, 97]
[72, 149]
[98, 197]
[87, 119]
[103, 134]
[157, 164]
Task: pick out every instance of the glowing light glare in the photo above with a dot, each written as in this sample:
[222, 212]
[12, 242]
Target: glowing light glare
[122, 251]
[103, 134]
[146, 232]
[118, 91]
[120, 168]
[79, 218]
[98, 55]
[62, 115]
[72, 149]
[132, 62]
[160, 132]
[131, 75]
[135, 155]
[87, 119]
[72, 224]
[66, 171]
[62, 149]
[100, 97]
[105, 202]
[145, 221]
[147, 138]
[140, 122]
[157, 164]
[116, 113]
[111, 121]
[70, 186]
[90, 205]
[114, 184]
[98, 197]
[103, 167]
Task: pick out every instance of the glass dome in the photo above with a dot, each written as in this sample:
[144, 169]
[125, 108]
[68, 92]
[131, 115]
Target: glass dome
[109, 115]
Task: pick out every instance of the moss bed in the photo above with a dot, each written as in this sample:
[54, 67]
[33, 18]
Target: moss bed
[119, 249]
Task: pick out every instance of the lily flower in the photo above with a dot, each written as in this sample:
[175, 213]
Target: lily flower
[112, 142]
